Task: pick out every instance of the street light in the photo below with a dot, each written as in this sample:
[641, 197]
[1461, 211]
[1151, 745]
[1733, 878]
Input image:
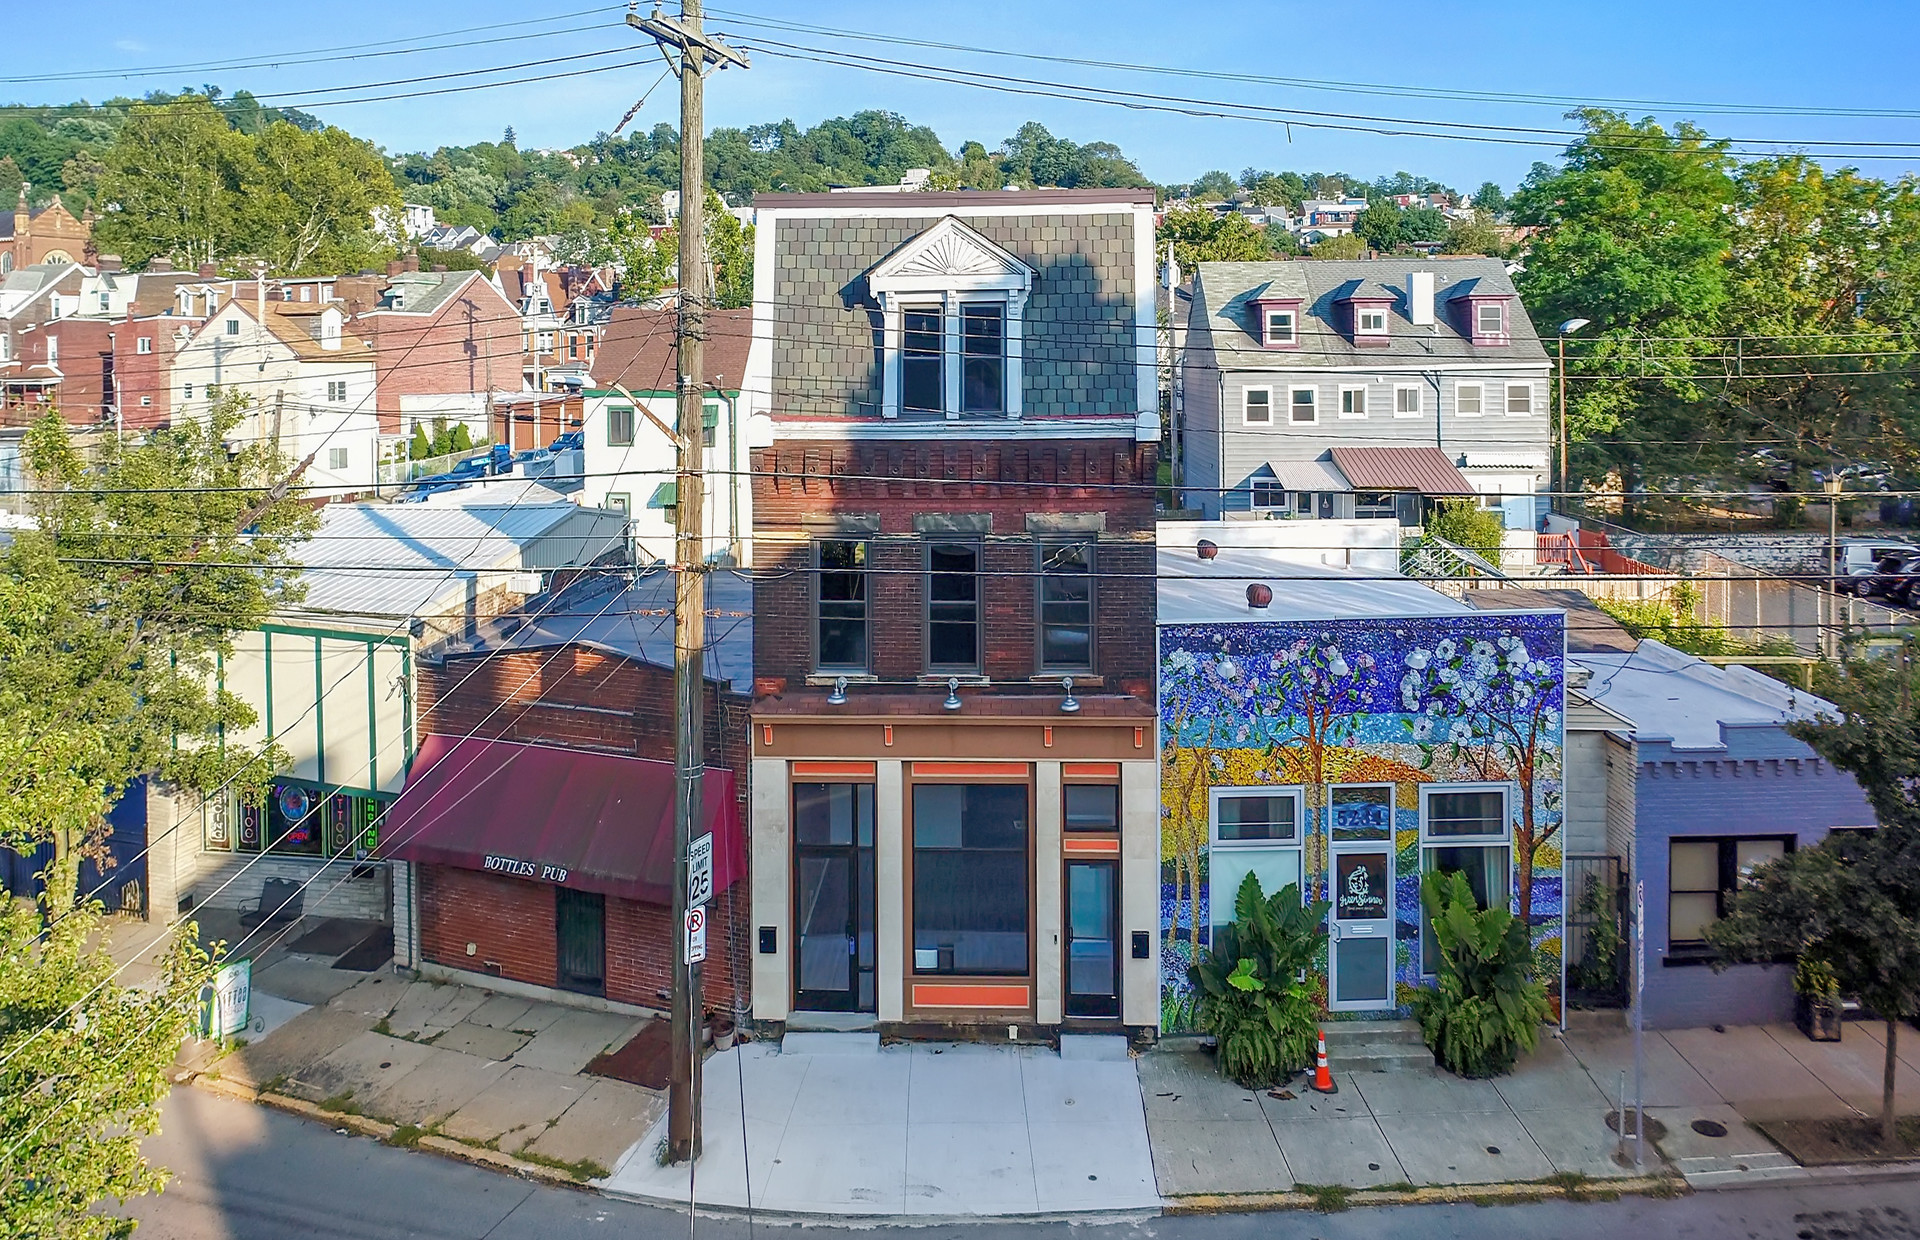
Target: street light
[1566, 329]
[1833, 486]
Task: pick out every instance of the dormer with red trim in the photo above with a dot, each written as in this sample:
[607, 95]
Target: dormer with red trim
[1482, 315]
[1366, 308]
[1276, 321]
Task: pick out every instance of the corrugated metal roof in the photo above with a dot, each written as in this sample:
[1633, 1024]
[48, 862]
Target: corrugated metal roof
[1425, 469]
[1309, 476]
[1196, 591]
[425, 559]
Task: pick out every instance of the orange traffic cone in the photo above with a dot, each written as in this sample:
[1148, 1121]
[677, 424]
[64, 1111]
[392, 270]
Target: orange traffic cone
[1322, 1074]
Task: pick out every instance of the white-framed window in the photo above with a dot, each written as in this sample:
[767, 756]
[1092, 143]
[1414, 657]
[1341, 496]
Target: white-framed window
[953, 304]
[1353, 402]
[336, 390]
[53, 350]
[1489, 319]
[1267, 493]
[1519, 400]
[1406, 400]
[6, 347]
[1468, 399]
[1375, 506]
[1251, 831]
[1256, 406]
[1282, 327]
[1303, 406]
[336, 458]
[143, 344]
[233, 327]
[213, 302]
[1466, 829]
[106, 301]
[1370, 322]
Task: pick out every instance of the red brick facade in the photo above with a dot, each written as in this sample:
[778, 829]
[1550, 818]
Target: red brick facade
[580, 698]
[468, 343]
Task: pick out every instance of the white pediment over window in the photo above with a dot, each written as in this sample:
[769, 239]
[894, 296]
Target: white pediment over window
[949, 257]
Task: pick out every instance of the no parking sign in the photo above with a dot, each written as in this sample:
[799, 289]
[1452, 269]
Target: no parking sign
[696, 934]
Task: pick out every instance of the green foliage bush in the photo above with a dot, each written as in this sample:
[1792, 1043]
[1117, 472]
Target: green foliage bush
[1486, 1009]
[1251, 994]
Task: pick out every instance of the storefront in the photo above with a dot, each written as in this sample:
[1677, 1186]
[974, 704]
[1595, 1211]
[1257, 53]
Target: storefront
[1351, 733]
[551, 869]
[992, 871]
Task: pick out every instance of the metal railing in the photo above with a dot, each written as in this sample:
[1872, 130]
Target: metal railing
[396, 473]
[1594, 889]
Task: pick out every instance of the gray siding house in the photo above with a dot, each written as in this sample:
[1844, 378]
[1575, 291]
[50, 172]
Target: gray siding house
[1366, 388]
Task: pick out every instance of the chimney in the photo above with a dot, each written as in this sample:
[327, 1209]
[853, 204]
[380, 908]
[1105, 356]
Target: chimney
[394, 268]
[208, 271]
[159, 265]
[1420, 298]
[413, 262]
[109, 262]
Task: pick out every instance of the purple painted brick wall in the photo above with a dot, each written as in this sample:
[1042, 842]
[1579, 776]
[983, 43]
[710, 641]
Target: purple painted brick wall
[1677, 800]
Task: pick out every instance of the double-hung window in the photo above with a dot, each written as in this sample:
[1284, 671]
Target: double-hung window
[1281, 327]
[953, 607]
[1519, 400]
[983, 358]
[1253, 831]
[143, 344]
[1701, 875]
[233, 327]
[1268, 493]
[1303, 405]
[970, 878]
[336, 458]
[1370, 323]
[619, 426]
[1468, 399]
[1406, 400]
[1353, 402]
[1257, 406]
[336, 390]
[1489, 319]
[1066, 607]
[1464, 829]
[840, 605]
[922, 378]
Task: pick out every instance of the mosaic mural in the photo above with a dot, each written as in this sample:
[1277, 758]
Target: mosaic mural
[1395, 706]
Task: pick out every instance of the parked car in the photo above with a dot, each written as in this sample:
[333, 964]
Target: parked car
[1859, 559]
[1892, 578]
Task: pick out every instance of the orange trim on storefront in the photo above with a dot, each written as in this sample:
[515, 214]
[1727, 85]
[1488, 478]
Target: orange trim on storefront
[950, 995]
[1101, 847]
[1091, 770]
[970, 770]
[828, 770]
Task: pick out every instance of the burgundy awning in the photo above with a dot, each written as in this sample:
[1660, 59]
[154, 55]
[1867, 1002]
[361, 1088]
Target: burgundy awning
[593, 821]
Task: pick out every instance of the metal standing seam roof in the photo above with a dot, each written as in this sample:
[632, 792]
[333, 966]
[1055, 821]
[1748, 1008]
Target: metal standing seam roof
[1196, 591]
[1425, 469]
[1309, 476]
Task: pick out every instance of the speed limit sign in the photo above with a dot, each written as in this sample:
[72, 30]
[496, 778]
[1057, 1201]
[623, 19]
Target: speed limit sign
[696, 934]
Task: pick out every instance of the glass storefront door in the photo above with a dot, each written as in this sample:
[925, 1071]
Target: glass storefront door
[1093, 948]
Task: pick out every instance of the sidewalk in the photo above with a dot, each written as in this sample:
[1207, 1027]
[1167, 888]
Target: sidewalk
[837, 1124]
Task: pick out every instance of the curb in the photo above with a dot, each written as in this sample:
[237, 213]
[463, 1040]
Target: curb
[381, 1131]
[1842, 1173]
[1450, 1194]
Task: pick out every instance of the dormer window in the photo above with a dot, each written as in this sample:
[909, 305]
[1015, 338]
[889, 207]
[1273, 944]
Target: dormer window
[1489, 319]
[1282, 327]
[1275, 321]
[1371, 323]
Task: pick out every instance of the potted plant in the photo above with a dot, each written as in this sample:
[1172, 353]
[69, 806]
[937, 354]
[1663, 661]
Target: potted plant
[1816, 1006]
[1485, 1008]
[1254, 996]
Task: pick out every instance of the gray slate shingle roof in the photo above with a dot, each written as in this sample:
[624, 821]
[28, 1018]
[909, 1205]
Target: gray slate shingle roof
[1221, 292]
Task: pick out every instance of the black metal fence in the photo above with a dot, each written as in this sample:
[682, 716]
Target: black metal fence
[1596, 942]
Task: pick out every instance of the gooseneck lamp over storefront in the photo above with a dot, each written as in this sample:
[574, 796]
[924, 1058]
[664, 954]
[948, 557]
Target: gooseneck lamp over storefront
[1070, 705]
[953, 694]
[839, 695]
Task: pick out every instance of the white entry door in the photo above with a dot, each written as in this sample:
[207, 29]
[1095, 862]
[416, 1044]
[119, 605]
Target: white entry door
[1360, 942]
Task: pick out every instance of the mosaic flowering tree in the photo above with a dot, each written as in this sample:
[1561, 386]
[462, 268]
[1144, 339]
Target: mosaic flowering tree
[1494, 707]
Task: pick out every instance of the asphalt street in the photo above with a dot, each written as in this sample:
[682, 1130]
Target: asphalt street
[247, 1173]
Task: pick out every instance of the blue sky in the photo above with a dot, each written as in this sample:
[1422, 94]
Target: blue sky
[1758, 52]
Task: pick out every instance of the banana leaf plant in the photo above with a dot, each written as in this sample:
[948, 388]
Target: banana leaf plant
[1486, 1008]
[1253, 984]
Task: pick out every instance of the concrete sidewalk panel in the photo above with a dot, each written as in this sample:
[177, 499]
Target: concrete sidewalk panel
[519, 1104]
[969, 1168]
[1306, 1104]
[960, 1084]
[1853, 1068]
[364, 1066]
[1465, 1147]
[1669, 1081]
[1092, 1167]
[857, 1090]
[481, 1040]
[371, 995]
[1079, 1091]
[1576, 1139]
[606, 1121]
[308, 1037]
[1549, 1079]
[1424, 1090]
[304, 980]
[1217, 1156]
[439, 1085]
[465, 1001]
[571, 1041]
[269, 1012]
[1749, 1069]
[1741, 1156]
[842, 1168]
[772, 1083]
[1185, 1085]
[1339, 1150]
[418, 1002]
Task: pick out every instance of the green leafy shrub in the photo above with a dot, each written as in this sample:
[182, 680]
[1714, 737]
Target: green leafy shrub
[1486, 1008]
[1251, 994]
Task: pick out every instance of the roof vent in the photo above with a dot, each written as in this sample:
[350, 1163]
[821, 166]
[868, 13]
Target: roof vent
[1208, 549]
[1259, 595]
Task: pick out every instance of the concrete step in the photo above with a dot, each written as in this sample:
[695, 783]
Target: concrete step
[832, 1022]
[806, 1043]
[1378, 1056]
[1597, 1020]
[1093, 1046]
[1343, 1032]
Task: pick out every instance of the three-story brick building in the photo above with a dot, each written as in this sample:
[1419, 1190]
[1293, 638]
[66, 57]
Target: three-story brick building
[954, 785]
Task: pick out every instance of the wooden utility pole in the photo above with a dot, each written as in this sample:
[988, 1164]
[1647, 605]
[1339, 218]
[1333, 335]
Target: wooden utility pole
[696, 55]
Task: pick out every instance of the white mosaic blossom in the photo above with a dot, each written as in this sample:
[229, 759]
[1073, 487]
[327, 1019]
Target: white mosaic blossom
[1418, 659]
[1423, 729]
[1444, 648]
